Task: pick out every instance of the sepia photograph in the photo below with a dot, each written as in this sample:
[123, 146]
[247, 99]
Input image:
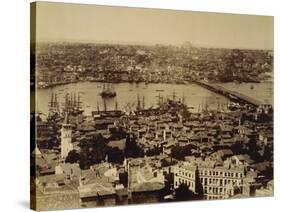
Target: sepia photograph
[138, 106]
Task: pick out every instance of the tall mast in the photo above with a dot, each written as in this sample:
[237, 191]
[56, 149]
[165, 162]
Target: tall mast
[104, 105]
[174, 95]
[66, 104]
[57, 104]
[74, 100]
[138, 103]
[51, 103]
[143, 104]
[159, 99]
[78, 102]
[116, 105]
[98, 107]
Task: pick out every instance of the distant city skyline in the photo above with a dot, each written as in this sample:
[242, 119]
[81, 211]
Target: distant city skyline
[58, 22]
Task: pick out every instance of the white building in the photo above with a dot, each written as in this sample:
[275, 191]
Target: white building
[217, 181]
[66, 136]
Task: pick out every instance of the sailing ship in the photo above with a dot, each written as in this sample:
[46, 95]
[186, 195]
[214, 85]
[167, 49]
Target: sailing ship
[54, 105]
[107, 91]
[72, 104]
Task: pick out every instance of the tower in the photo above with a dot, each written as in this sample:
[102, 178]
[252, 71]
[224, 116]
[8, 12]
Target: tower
[66, 133]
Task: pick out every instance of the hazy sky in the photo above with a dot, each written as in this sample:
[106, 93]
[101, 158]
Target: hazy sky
[78, 22]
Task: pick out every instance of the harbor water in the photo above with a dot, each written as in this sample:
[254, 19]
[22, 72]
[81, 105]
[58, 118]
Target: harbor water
[149, 95]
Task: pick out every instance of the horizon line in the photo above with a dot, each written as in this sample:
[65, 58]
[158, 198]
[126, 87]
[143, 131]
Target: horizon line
[142, 43]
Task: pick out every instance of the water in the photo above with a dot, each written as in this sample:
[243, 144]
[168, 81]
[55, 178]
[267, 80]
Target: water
[260, 91]
[127, 94]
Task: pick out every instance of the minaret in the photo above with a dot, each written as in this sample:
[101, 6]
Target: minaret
[66, 133]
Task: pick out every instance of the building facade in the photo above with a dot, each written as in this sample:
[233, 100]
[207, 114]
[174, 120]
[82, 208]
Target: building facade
[217, 181]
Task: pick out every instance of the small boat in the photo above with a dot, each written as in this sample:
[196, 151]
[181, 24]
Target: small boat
[252, 87]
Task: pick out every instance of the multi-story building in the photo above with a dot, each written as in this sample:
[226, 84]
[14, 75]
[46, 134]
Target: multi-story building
[217, 181]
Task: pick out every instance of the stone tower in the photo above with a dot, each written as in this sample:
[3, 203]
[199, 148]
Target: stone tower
[66, 134]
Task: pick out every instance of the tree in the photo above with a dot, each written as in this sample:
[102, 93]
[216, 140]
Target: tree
[266, 153]
[198, 185]
[179, 152]
[253, 149]
[115, 155]
[237, 147]
[92, 151]
[72, 157]
[132, 149]
[183, 193]
[154, 151]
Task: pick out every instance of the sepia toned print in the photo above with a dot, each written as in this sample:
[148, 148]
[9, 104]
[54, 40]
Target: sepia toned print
[136, 106]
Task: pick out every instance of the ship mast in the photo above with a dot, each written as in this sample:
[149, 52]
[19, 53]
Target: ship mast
[116, 105]
[159, 99]
[104, 105]
[174, 95]
[98, 107]
[57, 104]
[138, 103]
[183, 99]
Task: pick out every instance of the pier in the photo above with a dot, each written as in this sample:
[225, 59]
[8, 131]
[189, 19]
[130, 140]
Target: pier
[232, 95]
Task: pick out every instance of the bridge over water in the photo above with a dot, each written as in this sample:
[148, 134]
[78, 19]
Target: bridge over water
[232, 95]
